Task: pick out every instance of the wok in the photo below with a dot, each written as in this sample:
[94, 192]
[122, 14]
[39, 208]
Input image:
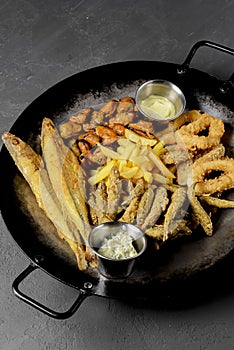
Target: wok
[174, 272]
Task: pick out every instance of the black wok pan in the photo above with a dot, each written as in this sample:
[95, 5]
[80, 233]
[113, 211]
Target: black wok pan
[172, 275]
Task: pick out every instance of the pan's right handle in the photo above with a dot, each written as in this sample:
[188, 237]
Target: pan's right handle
[49, 312]
[186, 64]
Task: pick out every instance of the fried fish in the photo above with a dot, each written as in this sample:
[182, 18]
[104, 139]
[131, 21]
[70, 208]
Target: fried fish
[32, 168]
[63, 170]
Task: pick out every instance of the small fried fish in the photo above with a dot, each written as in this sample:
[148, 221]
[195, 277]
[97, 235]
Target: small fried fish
[199, 214]
[131, 211]
[159, 205]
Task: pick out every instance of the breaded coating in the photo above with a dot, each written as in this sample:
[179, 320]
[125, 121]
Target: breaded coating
[145, 205]
[199, 213]
[159, 205]
[131, 211]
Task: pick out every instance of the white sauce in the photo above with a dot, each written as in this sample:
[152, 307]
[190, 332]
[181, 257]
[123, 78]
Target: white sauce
[118, 247]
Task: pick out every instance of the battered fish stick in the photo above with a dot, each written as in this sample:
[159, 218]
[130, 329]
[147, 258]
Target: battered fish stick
[217, 202]
[158, 231]
[159, 205]
[32, 168]
[113, 193]
[131, 210]
[177, 201]
[145, 205]
[199, 213]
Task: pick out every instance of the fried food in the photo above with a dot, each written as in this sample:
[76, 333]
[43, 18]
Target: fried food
[98, 204]
[111, 164]
[130, 212]
[159, 205]
[63, 169]
[185, 118]
[191, 134]
[217, 202]
[172, 215]
[220, 183]
[113, 193]
[145, 205]
[32, 168]
[199, 213]
[157, 232]
[216, 152]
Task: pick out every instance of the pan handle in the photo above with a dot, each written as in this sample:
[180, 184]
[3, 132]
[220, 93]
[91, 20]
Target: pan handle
[185, 65]
[39, 306]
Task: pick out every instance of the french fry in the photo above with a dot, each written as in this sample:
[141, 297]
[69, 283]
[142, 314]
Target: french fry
[160, 165]
[128, 172]
[162, 179]
[108, 152]
[102, 173]
[141, 140]
[158, 148]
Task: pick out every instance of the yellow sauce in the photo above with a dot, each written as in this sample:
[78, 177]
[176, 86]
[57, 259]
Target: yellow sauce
[159, 107]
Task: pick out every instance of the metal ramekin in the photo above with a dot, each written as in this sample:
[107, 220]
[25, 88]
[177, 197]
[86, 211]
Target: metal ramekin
[112, 268]
[162, 88]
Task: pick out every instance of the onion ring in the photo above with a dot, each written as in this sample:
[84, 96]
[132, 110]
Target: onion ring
[185, 118]
[190, 133]
[219, 184]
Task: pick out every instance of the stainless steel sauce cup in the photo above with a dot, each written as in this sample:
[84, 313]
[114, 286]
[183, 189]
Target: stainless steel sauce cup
[116, 268]
[161, 88]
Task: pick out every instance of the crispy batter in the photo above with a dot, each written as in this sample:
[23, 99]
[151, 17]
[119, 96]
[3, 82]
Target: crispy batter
[177, 202]
[180, 229]
[98, 204]
[199, 213]
[190, 134]
[127, 193]
[145, 205]
[216, 152]
[93, 207]
[131, 210]
[217, 202]
[185, 119]
[221, 183]
[113, 193]
[159, 205]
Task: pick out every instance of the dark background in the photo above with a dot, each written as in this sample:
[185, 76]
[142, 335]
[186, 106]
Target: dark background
[43, 42]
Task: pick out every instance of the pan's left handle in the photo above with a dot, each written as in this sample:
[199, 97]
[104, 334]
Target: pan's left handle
[52, 313]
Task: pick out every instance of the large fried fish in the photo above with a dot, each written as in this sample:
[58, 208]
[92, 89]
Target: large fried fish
[32, 168]
[63, 169]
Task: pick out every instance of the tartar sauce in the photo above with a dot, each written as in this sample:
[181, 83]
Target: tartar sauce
[157, 106]
[118, 246]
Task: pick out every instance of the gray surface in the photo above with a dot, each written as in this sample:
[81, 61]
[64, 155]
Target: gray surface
[42, 42]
